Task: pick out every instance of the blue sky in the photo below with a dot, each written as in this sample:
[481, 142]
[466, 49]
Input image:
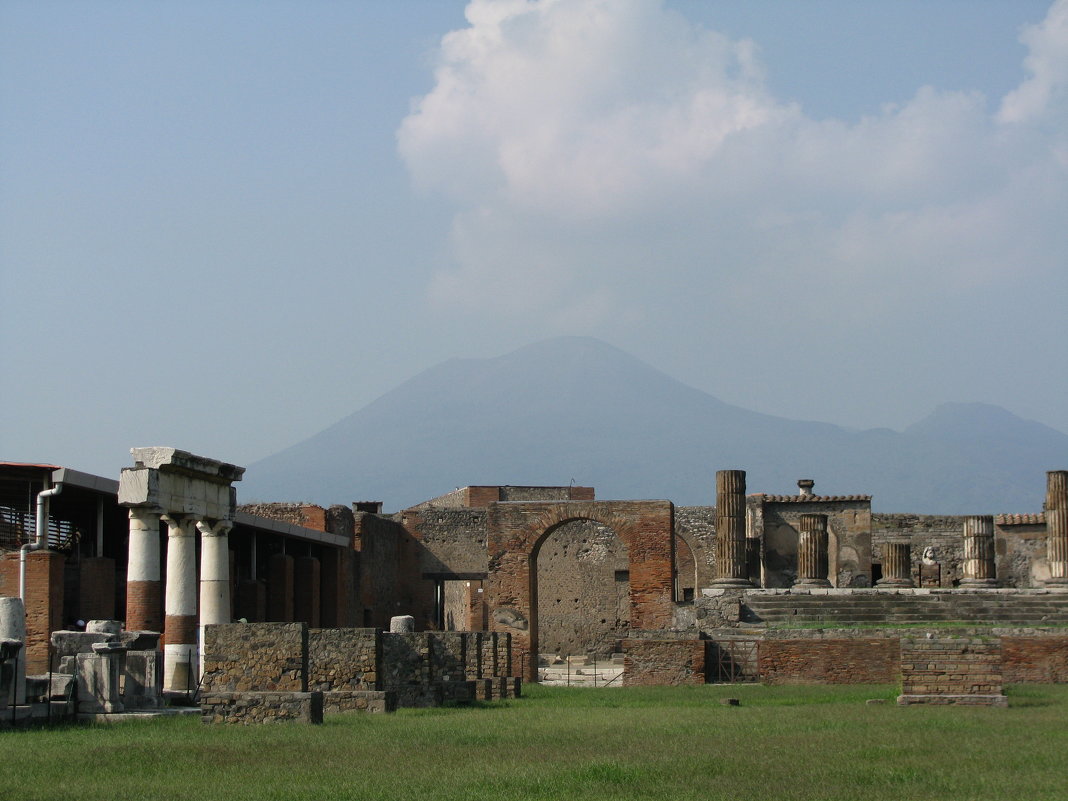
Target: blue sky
[224, 226]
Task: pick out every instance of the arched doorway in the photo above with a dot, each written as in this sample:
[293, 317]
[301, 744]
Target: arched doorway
[581, 589]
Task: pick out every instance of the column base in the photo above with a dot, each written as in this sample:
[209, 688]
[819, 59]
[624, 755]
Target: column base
[731, 582]
[1059, 584]
[811, 582]
[895, 583]
[978, 584]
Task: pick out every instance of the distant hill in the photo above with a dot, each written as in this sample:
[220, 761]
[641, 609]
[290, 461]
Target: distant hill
[577, 408]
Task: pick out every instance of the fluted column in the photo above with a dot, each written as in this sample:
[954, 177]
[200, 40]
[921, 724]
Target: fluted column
[897, 565]
[143, 594]
[214, 574]
[731, 568]
[180, 632]
[978, 566]
[1057, 528]
[812, 552]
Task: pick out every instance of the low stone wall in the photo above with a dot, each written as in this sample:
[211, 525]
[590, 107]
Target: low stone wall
[1040, 660]
[261, 707]
[338, 701]
[951, 670]
[344, 659]
[261, 657]
[830, 661]
[663, 662]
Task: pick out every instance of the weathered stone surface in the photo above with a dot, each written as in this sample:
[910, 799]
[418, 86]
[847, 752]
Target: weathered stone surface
[262, 707]
[247, 657]
[664, 662]
[344, 659]
[951, 670]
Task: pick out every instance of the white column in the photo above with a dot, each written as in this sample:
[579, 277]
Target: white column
[180, 630]
[214, 575]
[142, 571]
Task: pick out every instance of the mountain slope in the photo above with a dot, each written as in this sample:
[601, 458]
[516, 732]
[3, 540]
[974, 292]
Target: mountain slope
[577, 408]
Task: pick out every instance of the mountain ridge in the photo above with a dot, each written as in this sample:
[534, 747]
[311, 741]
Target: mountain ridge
[576, 408]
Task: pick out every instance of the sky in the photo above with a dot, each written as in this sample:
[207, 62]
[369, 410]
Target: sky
[226, 225]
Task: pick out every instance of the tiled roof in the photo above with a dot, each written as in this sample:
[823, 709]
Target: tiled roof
[813, 498]
[1028, 519]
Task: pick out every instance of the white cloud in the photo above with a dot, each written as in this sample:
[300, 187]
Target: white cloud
[602, 152]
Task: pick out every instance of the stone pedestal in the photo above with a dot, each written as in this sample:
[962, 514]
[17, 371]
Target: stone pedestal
[897, 565]
[978, 566]
[401, 624]
[143, 596]
[13, 629]
[731, 568]
[180, 631]
[1057, 528]
[812, 552]
[99, 675]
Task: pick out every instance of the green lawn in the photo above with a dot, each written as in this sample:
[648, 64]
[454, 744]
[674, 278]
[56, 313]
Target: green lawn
[558, 743]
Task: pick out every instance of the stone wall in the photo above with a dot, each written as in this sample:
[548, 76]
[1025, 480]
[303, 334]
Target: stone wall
[247, 657]
[261, 707]
[1039, 660]
[344, 659]
[697, 526]
[515, 533]
[1020, 550]
[390, 570]
[867, 660]
[664, 662]
[453, 540]
[951, 670]
[583, 590]
[943, 534]
[774, 520]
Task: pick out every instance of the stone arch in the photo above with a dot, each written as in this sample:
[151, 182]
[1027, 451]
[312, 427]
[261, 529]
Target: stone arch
[517, 531]
[580, 589]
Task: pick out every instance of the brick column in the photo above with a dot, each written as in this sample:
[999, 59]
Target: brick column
[897, 565]
[1057, 528]
[731, 568]
[180, 631]
[978, 565]
[812, 552]
[143, 592]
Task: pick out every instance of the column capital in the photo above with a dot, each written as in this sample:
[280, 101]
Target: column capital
[217, 529]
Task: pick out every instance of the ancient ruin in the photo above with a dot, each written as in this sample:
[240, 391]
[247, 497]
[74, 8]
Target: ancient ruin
[292, 611]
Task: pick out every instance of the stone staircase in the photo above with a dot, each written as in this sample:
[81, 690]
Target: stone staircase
[845, 608]
[582, 671]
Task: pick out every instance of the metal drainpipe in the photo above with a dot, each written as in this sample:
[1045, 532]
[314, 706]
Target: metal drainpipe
[41, 541]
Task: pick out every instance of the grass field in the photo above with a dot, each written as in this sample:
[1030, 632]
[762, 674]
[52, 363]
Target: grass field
[559, 743]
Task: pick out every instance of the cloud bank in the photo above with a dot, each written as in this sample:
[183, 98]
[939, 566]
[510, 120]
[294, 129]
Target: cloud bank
[608, 159]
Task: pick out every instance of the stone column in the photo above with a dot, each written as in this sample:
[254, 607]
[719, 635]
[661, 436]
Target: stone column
[143, 594]
[1057, 528]
[13, 629]
[214, 574]
[731, 569]
[897, 565]
[978, 566]
[812, 552]
[180, 633]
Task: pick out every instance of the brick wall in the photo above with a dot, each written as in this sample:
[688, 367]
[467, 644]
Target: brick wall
[829, 661]
[44, 600]
[664, 662]
[96, 589]
[1041, 660]
[951, 666]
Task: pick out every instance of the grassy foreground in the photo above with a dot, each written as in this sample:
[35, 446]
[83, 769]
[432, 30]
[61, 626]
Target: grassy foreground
[558, 743]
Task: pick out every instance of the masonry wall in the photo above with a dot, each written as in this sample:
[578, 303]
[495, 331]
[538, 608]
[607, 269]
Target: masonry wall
[344, 659]
[453, 540]
[390, 569]
[583, 590]
[664, 662]
[969, 665]
[829, 661]
[241, 657]
[1038, 660]
[1021, 551]
[697, 526]
[944, 534]
[849, 530]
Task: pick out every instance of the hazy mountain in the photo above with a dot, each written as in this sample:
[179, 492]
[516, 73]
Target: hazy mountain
[577, 408]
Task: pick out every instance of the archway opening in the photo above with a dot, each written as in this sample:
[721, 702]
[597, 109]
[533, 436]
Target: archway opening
[581, 590]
